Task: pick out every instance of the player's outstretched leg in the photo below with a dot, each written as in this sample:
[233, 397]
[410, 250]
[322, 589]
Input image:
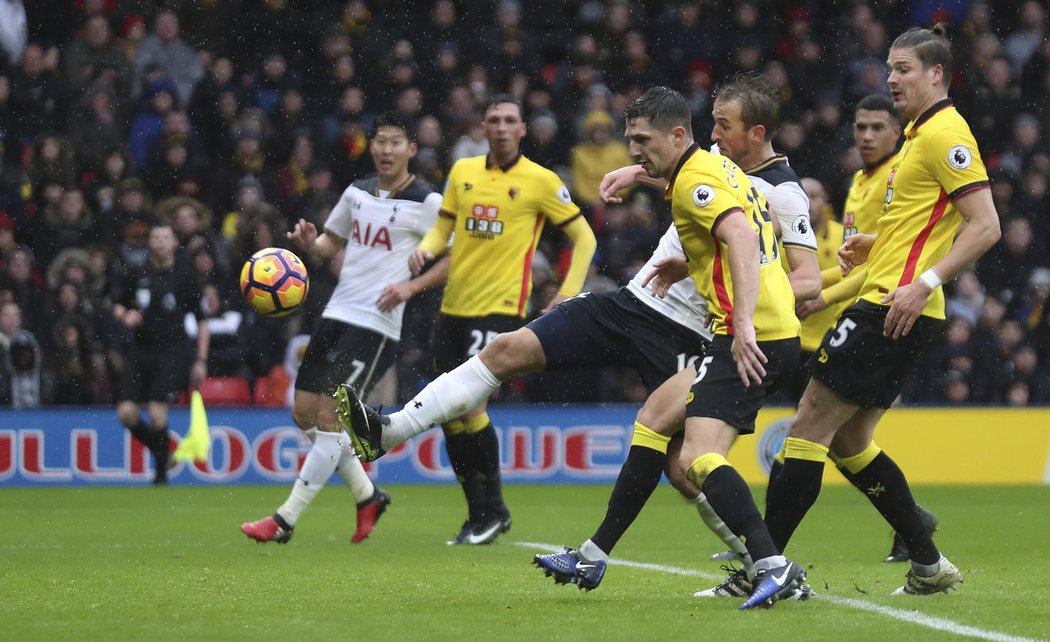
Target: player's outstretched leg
[362, 423]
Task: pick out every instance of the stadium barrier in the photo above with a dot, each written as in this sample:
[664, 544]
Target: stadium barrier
[540, 444]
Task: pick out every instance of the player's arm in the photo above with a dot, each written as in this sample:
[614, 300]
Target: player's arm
[741, 240]
[805, 272]
[789, 207]
[395, 294]
[434, 243]
[625, 177]
[980, 232]
[583, 246]
[320, 246]
[836, 290]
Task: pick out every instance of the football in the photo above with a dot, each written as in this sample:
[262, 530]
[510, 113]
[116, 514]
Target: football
[275, 281]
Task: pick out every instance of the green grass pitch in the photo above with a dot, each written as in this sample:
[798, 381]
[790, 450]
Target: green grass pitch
[170, 563]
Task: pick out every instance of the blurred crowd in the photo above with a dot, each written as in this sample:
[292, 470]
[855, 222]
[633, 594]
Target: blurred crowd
[231, 119]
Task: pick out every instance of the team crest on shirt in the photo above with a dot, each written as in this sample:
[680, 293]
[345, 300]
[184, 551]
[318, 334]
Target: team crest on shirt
[960, 157]
[563, 195]
[703, 195]
[513, 193]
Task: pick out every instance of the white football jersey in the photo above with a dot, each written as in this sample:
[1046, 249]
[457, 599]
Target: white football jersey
[787, 201]
[683, 304]
[380, 234]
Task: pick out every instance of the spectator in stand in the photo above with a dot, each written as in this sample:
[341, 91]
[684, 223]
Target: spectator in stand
[51, 161]
[148, 125]
[1023, 42]
[70, 224]
[94, 55]
[1004, 269]
[39, 94]
[22, 280]
[163, 47]
[994, 104]
[471, 140]
[97, 120]
[597, 153]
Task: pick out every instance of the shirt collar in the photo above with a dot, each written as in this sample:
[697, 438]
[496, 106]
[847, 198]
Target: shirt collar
[505, 167]
[926, 115]
[689, 151]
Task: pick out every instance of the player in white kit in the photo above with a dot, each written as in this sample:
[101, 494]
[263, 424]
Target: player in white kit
[379, 221]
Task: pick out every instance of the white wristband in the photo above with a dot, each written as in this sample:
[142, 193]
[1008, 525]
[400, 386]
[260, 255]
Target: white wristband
[930, 278]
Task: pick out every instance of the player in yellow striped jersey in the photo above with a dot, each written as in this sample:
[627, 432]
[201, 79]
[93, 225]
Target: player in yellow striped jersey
[496, 205]
[936, 182]
[734, 259]
[876, 133]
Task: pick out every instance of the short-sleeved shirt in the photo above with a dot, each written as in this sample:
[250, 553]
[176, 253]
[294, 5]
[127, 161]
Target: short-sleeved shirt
[499, 212]
[381, 230]
[704, 190]
[938, 163]
[867, 194]
[780, 184]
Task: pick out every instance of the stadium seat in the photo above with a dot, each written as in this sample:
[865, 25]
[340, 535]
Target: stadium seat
[226, 391]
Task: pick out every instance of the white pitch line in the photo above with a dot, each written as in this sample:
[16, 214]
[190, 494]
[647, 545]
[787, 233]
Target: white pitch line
[912, 617]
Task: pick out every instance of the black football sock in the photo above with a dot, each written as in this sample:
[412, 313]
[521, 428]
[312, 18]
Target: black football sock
[731, 499]
[885, 486]
[460, 456]
[144, 433]
[484, 446]
[790, 496]
[637, 480]
[774, 471]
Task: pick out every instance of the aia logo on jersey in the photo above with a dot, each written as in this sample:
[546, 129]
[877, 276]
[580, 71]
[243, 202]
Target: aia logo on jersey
[372, 236]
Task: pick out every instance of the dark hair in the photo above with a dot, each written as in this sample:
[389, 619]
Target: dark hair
[663, 107]
[759, 100]
[499, 99]
[931, 47]
[879, 102]
[395, 119]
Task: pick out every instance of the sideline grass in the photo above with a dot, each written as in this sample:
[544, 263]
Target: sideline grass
[170, 563]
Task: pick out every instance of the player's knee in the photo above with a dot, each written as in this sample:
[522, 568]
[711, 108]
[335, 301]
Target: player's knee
[304, 416]
[128, 414]
[512, 353]
[676, 475]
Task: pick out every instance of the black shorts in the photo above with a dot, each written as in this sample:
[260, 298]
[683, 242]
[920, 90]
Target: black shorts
[616, 329]
[859, 363]
[342, 353]
[456, 339]
[719, 393]
[156, 372]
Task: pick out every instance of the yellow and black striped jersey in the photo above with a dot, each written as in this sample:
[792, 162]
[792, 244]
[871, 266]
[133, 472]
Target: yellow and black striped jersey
[938, 163]
[704, 190]
[499, 212]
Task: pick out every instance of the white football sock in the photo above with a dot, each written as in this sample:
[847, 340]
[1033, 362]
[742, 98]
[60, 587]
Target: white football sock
[317, 469]
[590, 552]
[718, 527]
[771, 562]
[449, 396]
[353, 473]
